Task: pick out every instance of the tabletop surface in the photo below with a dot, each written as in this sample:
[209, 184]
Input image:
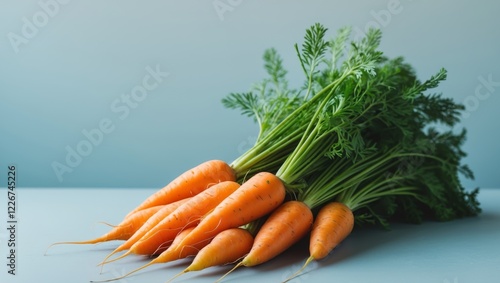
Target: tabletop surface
[464, 250]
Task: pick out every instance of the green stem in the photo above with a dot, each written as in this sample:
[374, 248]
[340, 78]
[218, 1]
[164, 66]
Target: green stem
[274, 142]
[288, 172]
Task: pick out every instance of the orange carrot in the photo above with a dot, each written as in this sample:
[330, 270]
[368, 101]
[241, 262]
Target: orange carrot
[332, 225]
[148, 225]
[256, 197]
[190, 183]
[187, 215]
[169, 254]
[288, 223]
[227, 247]
[122, 231]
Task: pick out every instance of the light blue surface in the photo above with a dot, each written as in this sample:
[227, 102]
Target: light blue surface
[64, 66]
[460, 251]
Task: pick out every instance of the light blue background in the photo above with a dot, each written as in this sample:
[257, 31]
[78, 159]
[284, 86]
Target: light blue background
[66, 77]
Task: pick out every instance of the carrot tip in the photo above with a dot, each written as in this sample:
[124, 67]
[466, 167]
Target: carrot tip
[94, 241]
[107, 224]
[177, 275]
[50, 246]
[128, 274]
[230, 271]
[297, 273]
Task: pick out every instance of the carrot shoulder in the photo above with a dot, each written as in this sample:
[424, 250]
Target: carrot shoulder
[256, 197]
[190, 183]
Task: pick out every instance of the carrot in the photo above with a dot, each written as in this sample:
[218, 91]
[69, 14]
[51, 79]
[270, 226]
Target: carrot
[148, 225]
[122, 231]
[332, 225]
[256, 197]
[227, 247]
[190, 183]
[288, 223]
[169, 254]
[187, 215]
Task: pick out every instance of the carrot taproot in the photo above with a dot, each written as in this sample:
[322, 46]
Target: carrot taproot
[122, 231]
[333, 223]
[256, 197]
[289, 223]
[169, 254]
[226, 247]
[148, 225]
[190, 183]
[159, 238]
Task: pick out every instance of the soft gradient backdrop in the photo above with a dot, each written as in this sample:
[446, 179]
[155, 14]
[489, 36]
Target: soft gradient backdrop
[67, 68]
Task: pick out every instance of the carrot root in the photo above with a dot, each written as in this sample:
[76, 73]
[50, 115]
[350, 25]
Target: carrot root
[126, 275]
[87, 242]
[185, 216]
[190, 183]
[230, 271]
[227, 247]
[148, 225]
[332, 225]
[177, 275]
[122, 231]
[289, 222]
[107, 224]
[105, 261]
[296, 273]
[255, 198]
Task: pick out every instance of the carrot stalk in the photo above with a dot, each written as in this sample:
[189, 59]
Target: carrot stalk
[337, 145]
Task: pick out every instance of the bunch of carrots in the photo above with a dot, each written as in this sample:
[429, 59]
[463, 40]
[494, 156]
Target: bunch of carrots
[357, 143]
